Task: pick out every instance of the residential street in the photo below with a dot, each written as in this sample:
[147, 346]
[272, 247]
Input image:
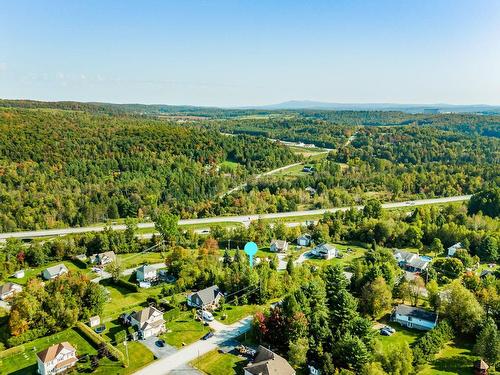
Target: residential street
[188, 353]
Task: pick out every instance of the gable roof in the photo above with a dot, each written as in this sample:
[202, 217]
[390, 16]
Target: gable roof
[418, 263]
[208, 295]
[8, 287]
[457, 246]
[51, 352]
[279, 243]
[416, 313]
[103, 257]
[404, 256]
[325, 247]
[145, 268]
[269, 363]
[57, 269]
[145, 314]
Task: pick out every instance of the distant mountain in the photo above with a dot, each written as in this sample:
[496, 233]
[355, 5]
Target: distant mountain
[410, 108]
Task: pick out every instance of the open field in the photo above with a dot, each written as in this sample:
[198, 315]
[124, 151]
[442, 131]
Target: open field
[184, 330]
[455, 358]
[132, 260]
[235, 313]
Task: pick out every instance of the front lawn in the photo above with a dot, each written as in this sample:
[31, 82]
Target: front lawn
[25, 362]
[215, 363]
[402, 335]
[348, 257]
[235, 313]
[184, 329]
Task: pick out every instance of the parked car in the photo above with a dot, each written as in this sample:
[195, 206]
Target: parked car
[207, 316]
[160, 343]
[207, 336]
[390, 329]
[385, 332]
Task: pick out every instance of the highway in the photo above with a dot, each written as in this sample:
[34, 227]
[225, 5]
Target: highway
[242, 219]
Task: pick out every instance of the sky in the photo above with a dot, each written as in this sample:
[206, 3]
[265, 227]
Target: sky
[255, 52]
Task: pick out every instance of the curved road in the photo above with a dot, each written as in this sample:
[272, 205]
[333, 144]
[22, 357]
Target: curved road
[242, 219]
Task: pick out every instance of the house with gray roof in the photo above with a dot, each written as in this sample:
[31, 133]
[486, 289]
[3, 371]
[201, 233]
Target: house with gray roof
[414, 317]
[103, 259]
[267, 362]
[54, 271]
[325, 251]
[146, 273]
[207, 299]
[279, 246]
[8, 290]
[149, 322]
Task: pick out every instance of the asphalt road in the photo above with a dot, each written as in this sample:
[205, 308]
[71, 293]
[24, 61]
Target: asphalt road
[243, 219]
[189, 353]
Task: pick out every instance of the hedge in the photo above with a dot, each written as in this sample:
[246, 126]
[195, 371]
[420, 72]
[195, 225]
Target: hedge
[12, 351]
[127, 285]
[97, 340]
[27, 336]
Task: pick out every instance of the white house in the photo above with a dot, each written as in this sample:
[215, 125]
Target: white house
[103, 259]
[207, 299]
[325, 251]
[56, 359]
[149, 322]
[94, 321]
[267, 362]
[19, 274]
[8, 290]
[279, 246]
[146, 273]
[453, 249]
[414, 317]
[304, 240]
[411, 261]
[54, 271]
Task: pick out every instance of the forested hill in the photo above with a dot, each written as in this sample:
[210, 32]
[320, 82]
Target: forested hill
[60, 168]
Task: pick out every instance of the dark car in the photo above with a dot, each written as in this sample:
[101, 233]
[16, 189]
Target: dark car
[160, 343]
[207, 336]
[385, 332]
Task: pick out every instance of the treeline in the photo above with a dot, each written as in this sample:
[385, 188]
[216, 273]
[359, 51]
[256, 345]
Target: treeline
[70, 168]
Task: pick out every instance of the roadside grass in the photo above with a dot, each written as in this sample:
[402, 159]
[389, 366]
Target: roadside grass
[30, 273]
[132, 260]
[235, 313]
[184, 330]
[25, 362]
[455, 358]
[215, 363]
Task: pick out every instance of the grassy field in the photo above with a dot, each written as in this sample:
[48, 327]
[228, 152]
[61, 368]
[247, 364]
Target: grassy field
[184, 330]
[25, 362]
[136, 259]
[402, 335]
[215, 363]
[235, 313]
[36, 272]
[455, 358]
[357, 252]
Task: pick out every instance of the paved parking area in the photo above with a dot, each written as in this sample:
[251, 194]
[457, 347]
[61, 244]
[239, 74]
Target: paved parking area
[159, 352]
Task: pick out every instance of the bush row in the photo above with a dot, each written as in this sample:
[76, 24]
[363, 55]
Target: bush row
[27, 336]
[98, 340]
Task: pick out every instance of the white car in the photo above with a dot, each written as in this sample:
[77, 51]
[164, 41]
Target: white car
[207, 316]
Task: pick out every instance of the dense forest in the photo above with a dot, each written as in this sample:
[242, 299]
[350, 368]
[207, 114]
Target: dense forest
[60, 168]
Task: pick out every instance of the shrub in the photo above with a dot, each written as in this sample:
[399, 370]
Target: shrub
[127, 285]
[432, 342]
[27, 336]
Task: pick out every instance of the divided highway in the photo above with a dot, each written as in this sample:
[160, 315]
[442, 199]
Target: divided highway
[243, 219]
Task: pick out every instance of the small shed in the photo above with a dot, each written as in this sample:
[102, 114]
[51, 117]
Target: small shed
[19, 274]
[94, 321]
[481, 367]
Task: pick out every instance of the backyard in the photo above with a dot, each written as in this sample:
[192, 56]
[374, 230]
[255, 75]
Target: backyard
[184, 330]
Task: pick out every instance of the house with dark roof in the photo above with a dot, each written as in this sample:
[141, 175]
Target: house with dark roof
[54, 271]
[411, 261]
[56, 359]
[8, 290]
[103, 259]
[207, 299]
[267, 362]
[149, 322]
[414, 317]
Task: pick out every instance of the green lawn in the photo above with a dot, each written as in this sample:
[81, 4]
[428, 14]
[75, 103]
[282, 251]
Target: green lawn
[25, 362]
[184, 330]
[215, 363]
[455, 358]
[357, 252]
[235, 313]
[137, 259]
[402, 335]
[36, 272]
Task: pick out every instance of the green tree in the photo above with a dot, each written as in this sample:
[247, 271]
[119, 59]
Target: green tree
[436, 246]
[488, 343]
[398, 360]
[372, 209]
[167, 225]
[488, 249]
[486, 201]
[297, 352]
[115, 269]
[376, 297]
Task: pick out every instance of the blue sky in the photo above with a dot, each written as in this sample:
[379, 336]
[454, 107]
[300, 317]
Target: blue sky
[232, 53]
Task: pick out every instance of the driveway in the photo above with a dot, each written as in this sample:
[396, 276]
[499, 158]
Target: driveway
[159, 352]
[183, 356]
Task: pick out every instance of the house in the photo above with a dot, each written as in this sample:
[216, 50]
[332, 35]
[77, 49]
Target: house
[485, 273]
[267, 362]
[453, 249]
[481, 367]
[146, 273]
[304, 240]
[207, 298]
[94, 321]
[103, 259]
[8, 290]
[279, 246]
[54, 271]
[325, 251]
[312, 191]
[19, 274]
[411, 261]
[417, 265]
[414, 317]
[149, 322]
[56, 359]
[404, 257]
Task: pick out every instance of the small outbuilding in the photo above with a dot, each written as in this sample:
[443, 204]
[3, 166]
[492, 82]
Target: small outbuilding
[94, 321]
[481, 367]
